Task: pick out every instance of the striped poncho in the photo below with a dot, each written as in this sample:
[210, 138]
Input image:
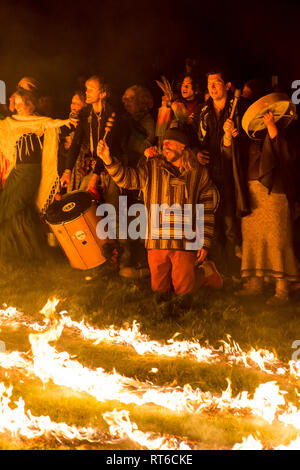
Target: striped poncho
[162, 183]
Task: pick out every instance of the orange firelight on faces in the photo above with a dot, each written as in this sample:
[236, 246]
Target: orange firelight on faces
[187, 91]
[93, 92]
[216, 86]
[172, 150]
[76, 104]
[21, 107]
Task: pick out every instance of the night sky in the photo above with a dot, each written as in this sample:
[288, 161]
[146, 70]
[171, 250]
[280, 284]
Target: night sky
[137, 41]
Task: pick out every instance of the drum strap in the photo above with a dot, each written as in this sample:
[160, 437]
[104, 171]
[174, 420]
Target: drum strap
[98, 116]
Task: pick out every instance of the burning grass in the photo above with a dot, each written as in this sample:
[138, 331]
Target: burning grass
[104, 299]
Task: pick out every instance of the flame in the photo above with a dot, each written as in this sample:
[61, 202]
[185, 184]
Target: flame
[249, 443]
[21, 423]
[268, 401]
[121, 426]
[294, 445]
[230, 351]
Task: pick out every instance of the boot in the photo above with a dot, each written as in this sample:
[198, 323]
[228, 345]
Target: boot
[133, 272]
[281, 296]
[208, 275]
[253, 286]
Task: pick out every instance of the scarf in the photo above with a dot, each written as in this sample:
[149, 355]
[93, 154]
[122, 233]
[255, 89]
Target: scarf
[12, 129]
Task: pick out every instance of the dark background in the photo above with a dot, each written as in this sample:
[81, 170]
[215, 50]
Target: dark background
[133, 41]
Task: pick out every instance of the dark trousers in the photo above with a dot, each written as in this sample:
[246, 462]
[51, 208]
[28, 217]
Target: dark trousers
[227, 239]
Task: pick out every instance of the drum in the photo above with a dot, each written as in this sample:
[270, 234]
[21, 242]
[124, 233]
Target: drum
[73, 221]
[279, 104]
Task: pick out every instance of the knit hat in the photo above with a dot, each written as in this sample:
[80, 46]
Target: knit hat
[178, 135]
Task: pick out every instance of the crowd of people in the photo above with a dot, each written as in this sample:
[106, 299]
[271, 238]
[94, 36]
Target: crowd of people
[193, 151]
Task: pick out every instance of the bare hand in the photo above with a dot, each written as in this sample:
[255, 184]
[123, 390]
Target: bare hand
[203, 157]
[191, 118]
[269, 119]
[151, 152]
[270, 124]
[68, 123]
[68, 142]
[103, 152]
[74, 122]
[65, 180]
[165, 102]
[201, 255]
[228, 128]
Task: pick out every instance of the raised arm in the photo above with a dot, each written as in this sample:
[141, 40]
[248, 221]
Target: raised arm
[54, 123]
[129, 178]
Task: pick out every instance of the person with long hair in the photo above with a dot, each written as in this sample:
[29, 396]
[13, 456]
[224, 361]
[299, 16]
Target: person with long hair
[185, 108]
[81, 167]
[174, 179]
[138, 126]
[29, 143]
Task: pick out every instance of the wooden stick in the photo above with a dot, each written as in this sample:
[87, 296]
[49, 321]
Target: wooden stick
[109, 125]
[237, 95]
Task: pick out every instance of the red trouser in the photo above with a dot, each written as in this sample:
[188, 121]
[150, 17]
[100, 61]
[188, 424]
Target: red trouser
[172, 268]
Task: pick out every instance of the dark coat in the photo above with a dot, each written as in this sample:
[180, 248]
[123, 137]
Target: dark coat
[278, 165]
[229, 175]
[88, 120]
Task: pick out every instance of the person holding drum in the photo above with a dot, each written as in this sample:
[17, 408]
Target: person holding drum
[29, 143]
[267, 241]
[91, 128]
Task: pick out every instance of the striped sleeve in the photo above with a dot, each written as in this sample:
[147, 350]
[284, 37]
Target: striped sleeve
[128, 178]
[209, 196]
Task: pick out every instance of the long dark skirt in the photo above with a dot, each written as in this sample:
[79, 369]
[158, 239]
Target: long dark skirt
[21, 234]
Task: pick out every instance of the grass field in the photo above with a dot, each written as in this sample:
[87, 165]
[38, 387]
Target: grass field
[102, 298]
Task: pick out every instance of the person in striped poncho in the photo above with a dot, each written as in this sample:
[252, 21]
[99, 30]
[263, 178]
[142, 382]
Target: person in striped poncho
[176, 180]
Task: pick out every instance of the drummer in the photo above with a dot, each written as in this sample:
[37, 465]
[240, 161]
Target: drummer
[90, 129]
[267, 248]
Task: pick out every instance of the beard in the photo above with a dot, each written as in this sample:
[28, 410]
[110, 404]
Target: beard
[172, 155]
